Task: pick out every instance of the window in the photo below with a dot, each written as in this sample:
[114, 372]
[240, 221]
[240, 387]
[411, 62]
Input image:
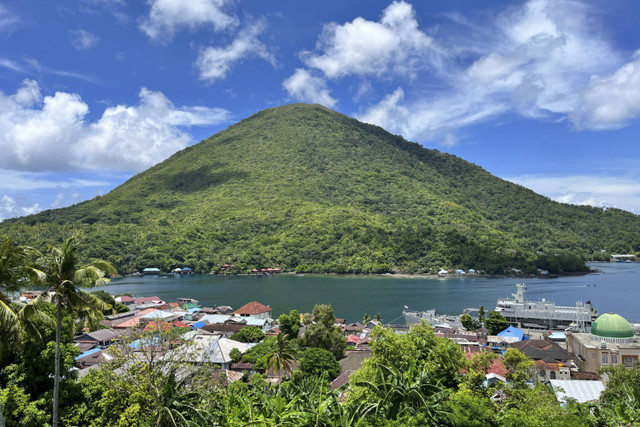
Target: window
[614, 359]
[605, 358]
[553, 375]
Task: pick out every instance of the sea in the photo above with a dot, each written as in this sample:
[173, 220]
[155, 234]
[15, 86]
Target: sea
[615, 287]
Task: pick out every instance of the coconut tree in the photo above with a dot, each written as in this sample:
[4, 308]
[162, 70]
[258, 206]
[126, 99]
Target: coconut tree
[15, 274]
[282, 357]
[64, 277]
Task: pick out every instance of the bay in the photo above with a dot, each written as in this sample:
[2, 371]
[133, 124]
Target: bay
[613, 289]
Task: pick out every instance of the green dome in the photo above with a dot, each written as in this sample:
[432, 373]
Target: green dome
[611, 325]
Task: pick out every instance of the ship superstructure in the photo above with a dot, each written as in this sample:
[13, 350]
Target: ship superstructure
[545, 314]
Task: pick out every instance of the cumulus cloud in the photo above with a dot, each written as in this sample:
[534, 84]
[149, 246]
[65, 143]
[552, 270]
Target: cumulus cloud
[303, 86]
[599, 191]
[50, 133]
[543, 59]
[611, 101]
[168, 16]
[83, 40]
[361, 47]
[214, 63]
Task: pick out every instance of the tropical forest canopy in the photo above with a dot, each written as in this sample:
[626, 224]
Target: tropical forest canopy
[311, 190]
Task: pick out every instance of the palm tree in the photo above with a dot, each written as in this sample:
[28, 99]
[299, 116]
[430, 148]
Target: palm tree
[63, 277]
[15, 274]
[283, 356]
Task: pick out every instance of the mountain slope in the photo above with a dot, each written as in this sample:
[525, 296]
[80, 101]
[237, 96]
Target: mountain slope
[313, 190]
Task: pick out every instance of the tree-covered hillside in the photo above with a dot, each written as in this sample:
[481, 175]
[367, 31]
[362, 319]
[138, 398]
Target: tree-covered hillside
[309, 189]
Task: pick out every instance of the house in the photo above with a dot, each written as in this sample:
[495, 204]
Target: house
[125, 300]
[512, 331]
[552, 361]
[187, 303]
[208, 348]
[254, 309]
[151, 271]
[101, 338]
[146, 302]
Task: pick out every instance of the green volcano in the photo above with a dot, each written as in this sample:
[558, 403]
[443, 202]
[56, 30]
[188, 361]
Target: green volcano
[312, 190]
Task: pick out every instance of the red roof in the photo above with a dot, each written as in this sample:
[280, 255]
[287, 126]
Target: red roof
[254, 307]
[154, 326]
[179, 324]
[126, 298]
[353, 339]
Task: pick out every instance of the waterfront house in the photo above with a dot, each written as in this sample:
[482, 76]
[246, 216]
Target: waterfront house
[151, 271]
[187, 303]
[254, 309]
[125, 300]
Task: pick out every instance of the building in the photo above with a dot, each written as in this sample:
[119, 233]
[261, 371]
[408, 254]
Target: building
[254, 309]
[610, 342]
[552, 361]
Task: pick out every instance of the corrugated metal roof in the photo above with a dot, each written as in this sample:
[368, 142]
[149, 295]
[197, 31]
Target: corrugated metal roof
[88, 353]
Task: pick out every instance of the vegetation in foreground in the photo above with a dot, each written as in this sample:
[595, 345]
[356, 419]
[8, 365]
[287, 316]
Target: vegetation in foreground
[413, 379]
[311, 190]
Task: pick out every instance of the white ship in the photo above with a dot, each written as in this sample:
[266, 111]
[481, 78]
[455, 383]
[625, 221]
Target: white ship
[430, 317]
[545, 314]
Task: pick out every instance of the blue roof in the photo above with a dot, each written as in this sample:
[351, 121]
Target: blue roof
[186, 268]
[512, 332]
[199, 325]
[88, 353]
[194, 310]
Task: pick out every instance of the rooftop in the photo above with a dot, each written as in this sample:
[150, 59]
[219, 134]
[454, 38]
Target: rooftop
[254, 307]
[611, 325]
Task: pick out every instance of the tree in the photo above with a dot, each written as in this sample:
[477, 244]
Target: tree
[318, 361]
[15, 273]
[235, 355]
[366, 318]
[481, 313]
[250, 334]
[496, 323]
[468, 322]
[282, 357]
[323, 333]
[63, 277]
[290, 324]
[519, 367]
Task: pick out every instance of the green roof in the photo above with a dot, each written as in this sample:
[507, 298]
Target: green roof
[611, 325]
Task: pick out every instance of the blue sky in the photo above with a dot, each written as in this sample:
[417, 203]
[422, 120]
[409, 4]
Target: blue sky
[542, 93]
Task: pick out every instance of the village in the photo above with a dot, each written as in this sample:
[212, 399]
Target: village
[569, 362]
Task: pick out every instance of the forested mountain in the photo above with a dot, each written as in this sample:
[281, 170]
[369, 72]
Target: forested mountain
[309, 189]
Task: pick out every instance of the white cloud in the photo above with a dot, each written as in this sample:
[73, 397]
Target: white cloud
[305, 87]
[542, 59]
[10, 207]
[12, 181]
[11, 65]
[600, 191]
[613, 100]
[83, 40]
[167, 16]
[50, 133]
[214, 63]
[362, 47]
[8, 21]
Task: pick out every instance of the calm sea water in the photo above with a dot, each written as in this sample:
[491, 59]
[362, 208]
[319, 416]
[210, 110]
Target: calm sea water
[615, 288]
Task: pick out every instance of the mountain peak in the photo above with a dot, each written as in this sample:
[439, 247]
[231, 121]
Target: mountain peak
[311, 189]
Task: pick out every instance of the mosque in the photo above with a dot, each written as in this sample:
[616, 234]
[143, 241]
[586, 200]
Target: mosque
[611, 342]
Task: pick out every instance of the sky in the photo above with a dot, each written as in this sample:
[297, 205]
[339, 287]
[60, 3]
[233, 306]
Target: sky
[545, 94]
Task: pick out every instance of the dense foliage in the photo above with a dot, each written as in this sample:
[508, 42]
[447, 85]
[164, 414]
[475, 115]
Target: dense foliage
[311, 190]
